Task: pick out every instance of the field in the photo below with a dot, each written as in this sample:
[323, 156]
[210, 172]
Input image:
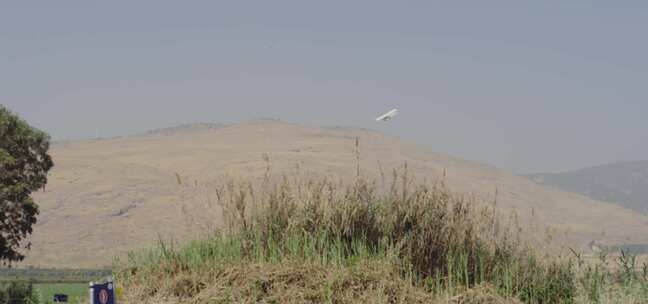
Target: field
[47, 275]
[77, 292]
[47, 282]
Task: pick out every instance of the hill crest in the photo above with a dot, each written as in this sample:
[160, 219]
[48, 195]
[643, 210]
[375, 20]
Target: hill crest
[122, 193]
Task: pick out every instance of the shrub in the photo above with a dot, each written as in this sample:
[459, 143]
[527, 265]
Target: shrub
[441, 241]
[17, 293]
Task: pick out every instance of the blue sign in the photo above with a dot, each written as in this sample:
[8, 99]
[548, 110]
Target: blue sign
[102, 293]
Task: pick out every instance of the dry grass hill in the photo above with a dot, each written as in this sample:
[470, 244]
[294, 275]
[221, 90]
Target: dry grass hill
[110, 195]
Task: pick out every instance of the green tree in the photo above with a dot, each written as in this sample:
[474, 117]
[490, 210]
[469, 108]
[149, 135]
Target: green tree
[18, 293]
[24, 164]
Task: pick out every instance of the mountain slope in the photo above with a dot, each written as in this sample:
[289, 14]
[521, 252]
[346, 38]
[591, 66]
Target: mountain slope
[105, 197]
[625, 184]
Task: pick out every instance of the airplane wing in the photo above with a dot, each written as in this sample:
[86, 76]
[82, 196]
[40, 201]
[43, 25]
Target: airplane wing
[387, 116]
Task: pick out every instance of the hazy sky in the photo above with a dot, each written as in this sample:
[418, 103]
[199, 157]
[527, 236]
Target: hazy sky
[527, 86]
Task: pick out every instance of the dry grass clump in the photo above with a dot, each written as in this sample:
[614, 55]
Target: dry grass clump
[408, 244]
[483, 294]
[369, 282]
[289, 282]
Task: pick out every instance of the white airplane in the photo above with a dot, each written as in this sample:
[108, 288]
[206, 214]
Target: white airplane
[387, 116]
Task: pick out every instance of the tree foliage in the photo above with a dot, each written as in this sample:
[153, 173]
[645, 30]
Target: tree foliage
[24, 164]
[18, 293]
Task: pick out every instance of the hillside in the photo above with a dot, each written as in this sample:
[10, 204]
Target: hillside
[107, 196]
[624, 184]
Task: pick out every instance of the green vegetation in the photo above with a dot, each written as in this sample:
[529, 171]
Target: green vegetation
[41, 293]
[321, 242]
[77, 292]
[612, 279]
[39, 285]
[24, 164]
[17, 293]
[33, 286]
[44, 275]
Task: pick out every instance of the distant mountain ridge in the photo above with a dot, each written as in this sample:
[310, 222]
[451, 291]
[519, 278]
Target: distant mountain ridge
[624, 184]
[186, 127]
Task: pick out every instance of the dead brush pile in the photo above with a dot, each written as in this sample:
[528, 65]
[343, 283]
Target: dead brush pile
[317, 241]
